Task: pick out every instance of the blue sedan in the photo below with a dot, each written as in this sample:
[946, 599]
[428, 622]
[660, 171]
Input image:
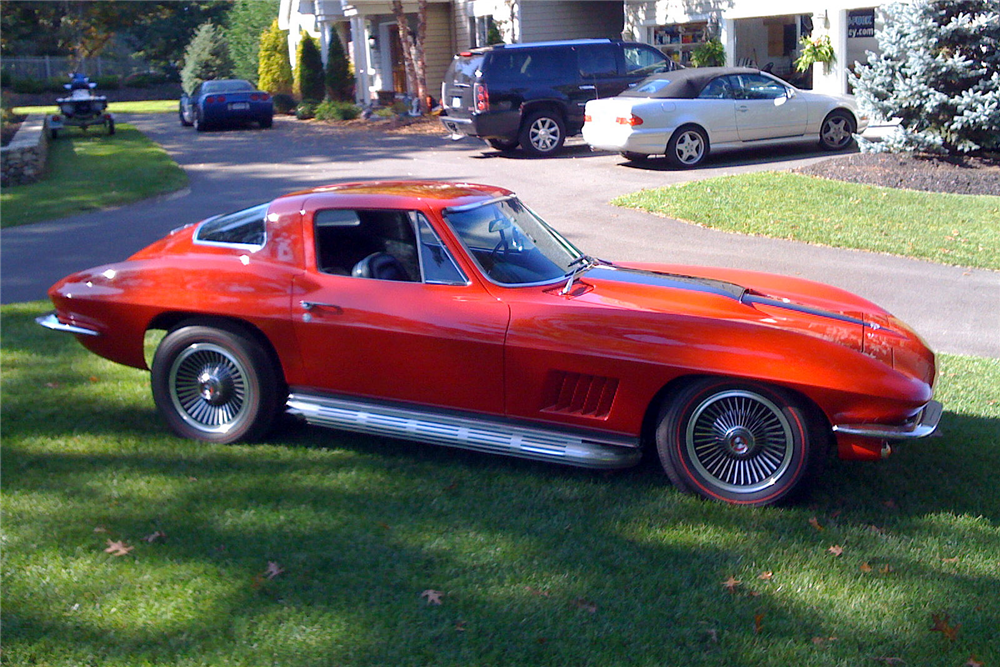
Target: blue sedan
[225, 101]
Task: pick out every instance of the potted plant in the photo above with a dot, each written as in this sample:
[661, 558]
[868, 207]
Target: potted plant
[709, 54]
[815, 50]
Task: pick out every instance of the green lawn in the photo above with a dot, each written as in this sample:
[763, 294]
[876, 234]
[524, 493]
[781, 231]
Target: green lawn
[959, 230]
[91, 170]
[536, 564]
[148, 106]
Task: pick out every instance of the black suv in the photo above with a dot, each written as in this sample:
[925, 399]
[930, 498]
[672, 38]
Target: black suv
[534, 94]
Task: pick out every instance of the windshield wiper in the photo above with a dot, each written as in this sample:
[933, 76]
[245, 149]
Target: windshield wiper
[576, 267]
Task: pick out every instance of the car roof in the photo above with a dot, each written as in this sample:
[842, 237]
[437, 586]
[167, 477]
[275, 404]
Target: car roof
[400, 194]
[686, 83]
[227, 84]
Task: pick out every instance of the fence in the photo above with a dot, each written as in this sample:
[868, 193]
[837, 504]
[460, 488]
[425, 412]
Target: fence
[48, 67]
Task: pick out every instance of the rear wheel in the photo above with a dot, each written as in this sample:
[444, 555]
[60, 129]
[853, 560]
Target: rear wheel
[542, 134]
[267, 122]
[688, 146]
[111, 126]
[184, 121]
[739, 442]
[215, 384]
[199, 124]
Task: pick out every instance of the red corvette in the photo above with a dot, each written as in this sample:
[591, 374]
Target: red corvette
[449, 313]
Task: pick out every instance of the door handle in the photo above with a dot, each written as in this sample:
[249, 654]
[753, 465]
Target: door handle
[743, 109]
[309, 305]
[588, 87]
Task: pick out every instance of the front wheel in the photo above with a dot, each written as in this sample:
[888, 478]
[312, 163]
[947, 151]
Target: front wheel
[215, 384]
[837, 131]
[542, 134]
[738, 442]
[688, 147]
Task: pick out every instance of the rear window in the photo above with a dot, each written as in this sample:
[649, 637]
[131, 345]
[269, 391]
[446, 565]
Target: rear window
[463, 69]
[242, 228]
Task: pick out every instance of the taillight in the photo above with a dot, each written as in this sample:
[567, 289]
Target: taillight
[210, 99]
[254, 97]
[587, 118]
[56, 118]
[220, 99]
[265, 97]
[480, 97]
[631, 120]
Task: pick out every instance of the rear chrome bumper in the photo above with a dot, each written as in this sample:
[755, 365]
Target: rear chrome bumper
[51, 321]
[922, 426]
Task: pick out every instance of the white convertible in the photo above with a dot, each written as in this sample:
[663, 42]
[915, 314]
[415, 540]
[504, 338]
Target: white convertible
[685, 113]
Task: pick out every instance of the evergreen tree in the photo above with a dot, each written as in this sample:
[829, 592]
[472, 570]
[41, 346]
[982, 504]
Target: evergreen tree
[206, 57]
[309, 83]
[246, 21]
[939, 73]
[275, 72]
[339, 81]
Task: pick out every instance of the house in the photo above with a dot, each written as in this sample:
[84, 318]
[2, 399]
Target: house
[760, 33]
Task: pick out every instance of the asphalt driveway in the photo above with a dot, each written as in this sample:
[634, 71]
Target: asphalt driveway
[955, 309]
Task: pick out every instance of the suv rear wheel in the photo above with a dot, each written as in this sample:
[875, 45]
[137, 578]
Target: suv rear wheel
[542, 134]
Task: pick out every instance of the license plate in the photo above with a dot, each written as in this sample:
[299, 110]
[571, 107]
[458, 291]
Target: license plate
[239, 106]
[456, 103]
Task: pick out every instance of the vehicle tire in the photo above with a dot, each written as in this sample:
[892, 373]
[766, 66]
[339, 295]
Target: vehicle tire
[215, 384]
[184, 121]
[503, 145]
[837, 131]
[267, 122]
[111, 126]
[738, 442]
[542, 134]
[634, 157]
[54, 133]
[199, 124]
[688, 146]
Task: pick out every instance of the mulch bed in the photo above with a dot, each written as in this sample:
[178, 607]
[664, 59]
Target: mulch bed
[929, 173]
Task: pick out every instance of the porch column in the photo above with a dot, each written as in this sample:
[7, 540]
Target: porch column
[360, 45]
[727, 35]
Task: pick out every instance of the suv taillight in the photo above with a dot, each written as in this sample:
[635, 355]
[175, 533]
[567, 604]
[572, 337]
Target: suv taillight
[480, 97]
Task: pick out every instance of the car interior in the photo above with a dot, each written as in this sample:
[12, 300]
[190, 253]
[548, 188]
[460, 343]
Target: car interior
[366, 244]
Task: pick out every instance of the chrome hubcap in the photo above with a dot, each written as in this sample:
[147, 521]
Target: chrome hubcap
[739, 441]
[208, 387]
[689, 147]
[544, 134]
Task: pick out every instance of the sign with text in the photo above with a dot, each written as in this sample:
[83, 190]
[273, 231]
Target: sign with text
[860, 23]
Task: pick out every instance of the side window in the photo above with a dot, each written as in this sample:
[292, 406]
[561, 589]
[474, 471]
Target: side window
[366, 244]
[597, 61]
[717, 89]
[642, 60]
[757, 87]
[242, 228]
[438, 265]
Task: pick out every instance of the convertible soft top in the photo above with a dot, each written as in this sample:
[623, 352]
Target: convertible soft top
[683, 83]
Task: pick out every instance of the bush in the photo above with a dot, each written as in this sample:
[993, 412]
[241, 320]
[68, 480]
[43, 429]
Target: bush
[275, 71]
[6, 78]
[938, 73]
[305, 110]
[146, 79]
[339, 80]
[206, 57]
[110, 82]
[309, 78]
[710, 54]
[283, 103]
[336, 110]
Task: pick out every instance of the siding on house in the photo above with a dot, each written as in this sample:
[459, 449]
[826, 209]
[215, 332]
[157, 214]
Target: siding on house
[554, 19]
[439, 46]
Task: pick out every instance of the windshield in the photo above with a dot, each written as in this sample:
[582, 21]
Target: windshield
[512, 245]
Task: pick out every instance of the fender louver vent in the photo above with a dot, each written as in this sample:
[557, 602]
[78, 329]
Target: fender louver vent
[576, 394]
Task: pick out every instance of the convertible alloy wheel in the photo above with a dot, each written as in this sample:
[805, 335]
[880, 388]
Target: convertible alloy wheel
[214, 384]
[738, 442]
[542, 134]
[837, 131]
[687, 147]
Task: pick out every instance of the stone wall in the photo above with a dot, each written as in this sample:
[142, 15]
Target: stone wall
[23, 159]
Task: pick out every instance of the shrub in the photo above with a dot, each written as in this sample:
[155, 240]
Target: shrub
[206, 57]
[107, 82]
[283, 103]
[710, 54]
[336, 110]
[275, 72]
[339, 80]
[309, 84]
[305, 110]
[6, 78]
[146, 79]
[938, 73]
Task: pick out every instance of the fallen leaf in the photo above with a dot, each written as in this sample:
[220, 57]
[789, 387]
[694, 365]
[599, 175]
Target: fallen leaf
[118, 548]
[535, 591]
[836, 550]
[758, 621]
[942, 624]
[886, 569]
[972, 662]
[891, 504]
[153, 537]
[765, 576]
[432, 596]
[460, 626]
[100, 529]
[52, 385]
[865, 567]
[814, 522]
[586, 605]
[94, 379]
[819, 641]
[731, 584]
[273, 570]
[950, 560]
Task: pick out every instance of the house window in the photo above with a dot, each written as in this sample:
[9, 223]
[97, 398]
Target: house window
[483, 31]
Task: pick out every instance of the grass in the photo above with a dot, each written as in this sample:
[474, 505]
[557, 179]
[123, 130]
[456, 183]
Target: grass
[147, 106]
[91, 170]
[960, 230]
[538, 564]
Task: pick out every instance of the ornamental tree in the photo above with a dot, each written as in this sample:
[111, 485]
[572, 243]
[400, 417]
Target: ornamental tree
[275, 71]
[309, 83]
[938, 73]
[338, 77]
[206, 57]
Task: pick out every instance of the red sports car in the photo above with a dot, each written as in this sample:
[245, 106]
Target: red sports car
[449, 313]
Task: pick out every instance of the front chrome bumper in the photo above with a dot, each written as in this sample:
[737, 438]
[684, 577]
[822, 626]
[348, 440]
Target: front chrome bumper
[51, 321]
[922, 426]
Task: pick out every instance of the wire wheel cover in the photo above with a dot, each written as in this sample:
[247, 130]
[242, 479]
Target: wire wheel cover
[208, 387]
[739, 441]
